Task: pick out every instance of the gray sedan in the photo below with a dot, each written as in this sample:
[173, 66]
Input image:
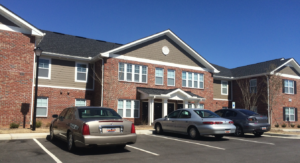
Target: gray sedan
[92, 126]
[194, 122]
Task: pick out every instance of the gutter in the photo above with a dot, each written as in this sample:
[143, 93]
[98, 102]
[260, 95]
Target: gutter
[102, 74]
[269, 115]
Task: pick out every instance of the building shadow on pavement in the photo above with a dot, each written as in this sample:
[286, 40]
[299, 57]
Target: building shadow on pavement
[87, 151]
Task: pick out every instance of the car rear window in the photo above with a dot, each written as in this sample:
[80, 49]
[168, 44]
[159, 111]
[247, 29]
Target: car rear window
[248, 112]
[98, 113]
[206, 114]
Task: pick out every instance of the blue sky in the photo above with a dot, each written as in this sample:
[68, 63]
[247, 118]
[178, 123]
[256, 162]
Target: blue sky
[229, 33]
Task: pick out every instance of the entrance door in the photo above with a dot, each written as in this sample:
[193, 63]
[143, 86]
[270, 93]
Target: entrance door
[170, 107]
[157, 110]
[145, 113]
[179, 106]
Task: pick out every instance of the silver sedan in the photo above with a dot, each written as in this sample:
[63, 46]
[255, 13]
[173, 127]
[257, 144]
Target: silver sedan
[195, 122]
[92, 126]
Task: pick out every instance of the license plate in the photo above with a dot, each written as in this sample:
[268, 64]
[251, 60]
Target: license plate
[227, 131]
[111, 130]
[264, 128]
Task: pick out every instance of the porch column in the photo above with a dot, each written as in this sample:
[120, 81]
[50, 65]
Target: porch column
[197, 103]
[150, 110]
[165, 108]
[185, 104]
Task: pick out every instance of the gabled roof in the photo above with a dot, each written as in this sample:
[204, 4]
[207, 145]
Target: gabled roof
[20, 21]
[60, 43]
[153, 91]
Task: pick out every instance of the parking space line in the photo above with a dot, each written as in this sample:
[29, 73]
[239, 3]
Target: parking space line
[188, 142]
[48, 152]
[142, 150]
[283, 137]
[250, 141]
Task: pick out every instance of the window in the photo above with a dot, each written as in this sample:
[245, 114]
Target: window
[289, 86]
[98, 113]
[171, 77]
[185, 114]
[253, 86]
[80, 102]
[159, 76]
[81, 72]
[206, 114]
[129, 108]
[191, 105]
[174, 114]
[42, 107]
[132, 73]
[44, 68]
[224, 87]
[192, 80]
[290, 114]
[201, 106]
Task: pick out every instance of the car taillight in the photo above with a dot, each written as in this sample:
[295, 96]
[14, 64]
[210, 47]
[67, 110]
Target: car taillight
[230, 122]
[212, 123]
[251, 120]
[85, 129]
[132, 128]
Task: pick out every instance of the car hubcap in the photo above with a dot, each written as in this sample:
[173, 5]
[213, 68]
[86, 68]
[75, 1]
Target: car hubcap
[70, 141]
[192, 132]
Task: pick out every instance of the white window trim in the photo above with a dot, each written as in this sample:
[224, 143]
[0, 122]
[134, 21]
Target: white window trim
[132, 72]
[49, 72]
[200, 105]
[290, 114]
[252, 86]
[132, 108]
[289, 87]
[224, 81]
[47, 107]
[80, 99]
[160, 76]
[171, 78]
[87, 71]
[187, 79]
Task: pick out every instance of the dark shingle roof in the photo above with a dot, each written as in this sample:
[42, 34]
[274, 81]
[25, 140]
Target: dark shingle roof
[74, 45]
[154, 91]
[257, 68]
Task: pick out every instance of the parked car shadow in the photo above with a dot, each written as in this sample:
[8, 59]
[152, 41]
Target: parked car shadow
[88, 151]
[250, 136]
[181, 136]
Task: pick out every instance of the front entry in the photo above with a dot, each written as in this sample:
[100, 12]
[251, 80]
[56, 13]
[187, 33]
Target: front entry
[145, 113]
[157, 110]
[171, 107]
[179, 106]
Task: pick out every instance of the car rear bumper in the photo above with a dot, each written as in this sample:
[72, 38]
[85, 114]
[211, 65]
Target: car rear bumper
[250, 128]
[90, 140]
[216, 129]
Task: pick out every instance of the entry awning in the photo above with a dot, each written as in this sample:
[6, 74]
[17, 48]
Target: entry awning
[172, 94]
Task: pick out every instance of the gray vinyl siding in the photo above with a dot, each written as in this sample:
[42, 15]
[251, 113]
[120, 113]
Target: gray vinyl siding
[217, 90]
[63, 75]
[153, 50]
[288, 70]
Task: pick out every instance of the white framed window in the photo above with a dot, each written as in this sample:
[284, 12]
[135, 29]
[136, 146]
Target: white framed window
[80, 102]
[289, 86]
[42, 107]
[191, 105]
[289, 114]
[129, 108]
[159, 76]
[192, 80]
[253, 86]
[44, 68]
[171, 77]
[81, 72]
[224, 87]
[201, 106]
[132, 73]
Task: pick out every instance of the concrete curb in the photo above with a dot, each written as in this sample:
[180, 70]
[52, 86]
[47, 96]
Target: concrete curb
[283, 135]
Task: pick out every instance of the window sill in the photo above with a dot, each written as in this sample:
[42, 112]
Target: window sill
[131, 82]
[80, 81]
[39, 116]
[289, 93]
[44, 78]
[193, 88]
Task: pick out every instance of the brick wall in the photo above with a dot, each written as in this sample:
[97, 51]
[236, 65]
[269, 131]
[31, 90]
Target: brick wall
[16, 74]
[97, 86]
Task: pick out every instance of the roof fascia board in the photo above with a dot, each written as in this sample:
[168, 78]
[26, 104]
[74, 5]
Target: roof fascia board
[290, 60]
[242, 77]
[272, 72]
[76, 58]
[288, 76]
[34, 30]
[178, 90]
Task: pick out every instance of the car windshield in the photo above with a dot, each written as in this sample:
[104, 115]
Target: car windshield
[248, 112]
[98, 113]
[206, 114]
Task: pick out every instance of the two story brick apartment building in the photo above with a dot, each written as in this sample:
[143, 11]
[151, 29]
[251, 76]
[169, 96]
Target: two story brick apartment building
[142, 80]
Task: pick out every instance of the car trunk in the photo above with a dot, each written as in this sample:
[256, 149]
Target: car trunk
[259, 118]
[222, 120]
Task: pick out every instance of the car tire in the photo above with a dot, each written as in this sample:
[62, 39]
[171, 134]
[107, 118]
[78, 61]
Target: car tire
[239, 131]
[258, 134]
[193, 133]
[71, 145]
[52, 137]
[121, 146]
[158, 129]
[219, 136]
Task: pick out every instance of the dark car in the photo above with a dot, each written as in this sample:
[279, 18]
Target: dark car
[246, 121]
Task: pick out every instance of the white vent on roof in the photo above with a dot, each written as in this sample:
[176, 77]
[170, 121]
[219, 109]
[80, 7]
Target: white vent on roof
[282, 59]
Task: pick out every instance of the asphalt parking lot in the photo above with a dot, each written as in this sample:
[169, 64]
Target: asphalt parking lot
[158, 148]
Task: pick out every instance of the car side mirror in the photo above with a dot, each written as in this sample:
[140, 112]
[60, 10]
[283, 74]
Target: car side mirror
[54, 116]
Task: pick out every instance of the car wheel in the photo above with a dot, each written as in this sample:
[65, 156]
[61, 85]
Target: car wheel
[239, 131]
[258, 134]
[71, 145]
[121, 146]
[158, 129]
[193, 133]
[52, 137]
[219, 136]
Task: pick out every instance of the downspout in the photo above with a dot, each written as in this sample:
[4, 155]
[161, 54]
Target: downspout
[102, 67]
[31, 104]
[269, 115]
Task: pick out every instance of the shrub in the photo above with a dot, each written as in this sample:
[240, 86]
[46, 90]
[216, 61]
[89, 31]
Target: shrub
[298, 126]
[292, 125]
[283, 125]
[277, 125]
[38, 124]
[48, 124]
[14, 125]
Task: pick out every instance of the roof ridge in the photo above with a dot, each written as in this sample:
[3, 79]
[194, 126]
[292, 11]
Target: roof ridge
[259, 63]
